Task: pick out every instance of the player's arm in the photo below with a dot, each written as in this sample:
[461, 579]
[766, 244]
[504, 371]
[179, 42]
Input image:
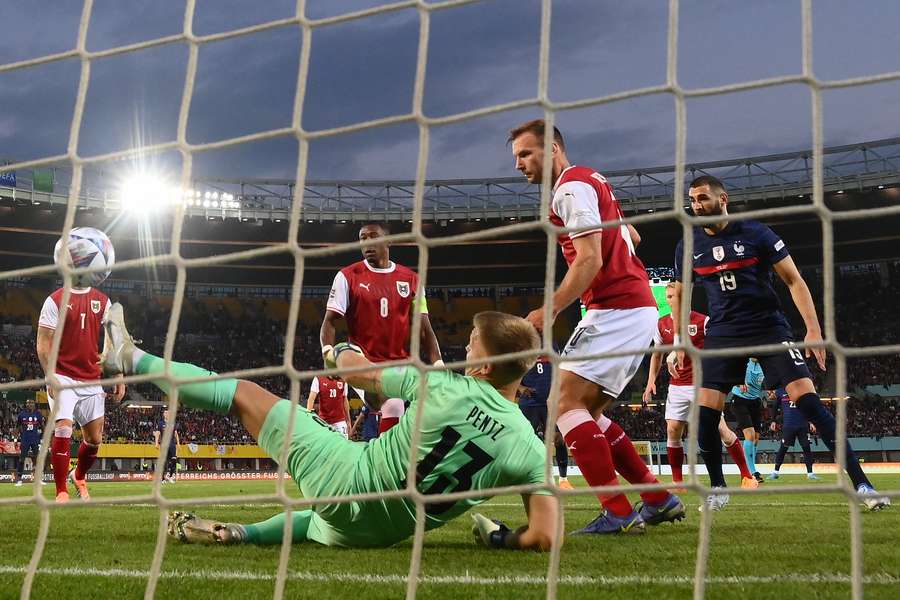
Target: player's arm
[539, 534]
[675, 305]
[335, 308]
[42, 346]
[802, 298]
[156, 436]
[588, 262]
[347, 412]
[311, 400]
[346, 356]
[428, 340]
[356, 424]
[635, 236]
[655, 362]
[328, 331]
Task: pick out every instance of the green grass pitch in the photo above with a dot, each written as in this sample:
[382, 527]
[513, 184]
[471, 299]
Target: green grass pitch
[765, 546]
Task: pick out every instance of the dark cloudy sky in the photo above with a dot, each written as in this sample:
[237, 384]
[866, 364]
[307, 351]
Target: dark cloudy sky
[478, 55]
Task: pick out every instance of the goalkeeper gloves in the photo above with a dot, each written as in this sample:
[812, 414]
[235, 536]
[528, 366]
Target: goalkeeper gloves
[490, 532]
[330, 355]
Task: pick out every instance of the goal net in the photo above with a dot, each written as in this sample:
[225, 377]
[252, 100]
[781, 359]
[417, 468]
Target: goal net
[425, 124]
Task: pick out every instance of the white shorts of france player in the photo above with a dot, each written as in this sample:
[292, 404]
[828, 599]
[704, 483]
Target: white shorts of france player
[678, 404]
[610, 330]
[81, 404]
[340, 427]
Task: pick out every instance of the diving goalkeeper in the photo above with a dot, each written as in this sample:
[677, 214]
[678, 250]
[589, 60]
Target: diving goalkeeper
[473, 436]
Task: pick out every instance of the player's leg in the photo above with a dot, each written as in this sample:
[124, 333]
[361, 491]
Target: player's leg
[678, 407]
[391, 411]
[562, 460]
[62, 406]
[171, 462]
[787, 440]
[790, 368]
[733, 445]
[803, 438]
[89, 413]
[191, 529]
[675, 448]
[20, 463]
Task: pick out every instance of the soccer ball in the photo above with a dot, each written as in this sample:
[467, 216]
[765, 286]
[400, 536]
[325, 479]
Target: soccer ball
[88, 247]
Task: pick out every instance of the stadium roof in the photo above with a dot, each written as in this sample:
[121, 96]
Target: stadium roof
[861, 166]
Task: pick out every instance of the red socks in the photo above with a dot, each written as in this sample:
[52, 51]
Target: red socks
[736, 451]
[591, 452]
[386, 423]
[87, 454]
[59, 458]
[676, 461]
[629, 464]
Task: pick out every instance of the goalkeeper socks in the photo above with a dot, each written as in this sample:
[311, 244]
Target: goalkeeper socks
[676, 460]
[750, 455]
[562, 457]
[736, 451]
[710, 444]
[591, 451]
[207, 395]
[815, 412]
[628, 462]
[87, 454]
[271, 531]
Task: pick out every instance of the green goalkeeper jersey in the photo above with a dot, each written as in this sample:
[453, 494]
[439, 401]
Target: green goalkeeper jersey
[472, 438]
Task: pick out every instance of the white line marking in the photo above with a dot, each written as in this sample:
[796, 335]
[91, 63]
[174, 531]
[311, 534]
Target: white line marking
[881, 578]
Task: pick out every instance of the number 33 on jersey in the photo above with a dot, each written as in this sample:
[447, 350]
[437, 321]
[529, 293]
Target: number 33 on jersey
[377, 305]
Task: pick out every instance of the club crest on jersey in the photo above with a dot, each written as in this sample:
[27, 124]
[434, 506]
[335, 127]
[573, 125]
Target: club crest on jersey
[692, 330]
[739, 248]
[95, 306]
[718, 253]
[403, 289]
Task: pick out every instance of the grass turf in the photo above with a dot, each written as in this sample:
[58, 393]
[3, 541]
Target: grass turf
[765, 545]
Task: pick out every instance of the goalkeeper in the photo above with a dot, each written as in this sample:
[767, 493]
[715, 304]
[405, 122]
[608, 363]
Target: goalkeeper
[473, 437]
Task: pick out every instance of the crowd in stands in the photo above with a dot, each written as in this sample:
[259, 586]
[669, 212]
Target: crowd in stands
[213, 335]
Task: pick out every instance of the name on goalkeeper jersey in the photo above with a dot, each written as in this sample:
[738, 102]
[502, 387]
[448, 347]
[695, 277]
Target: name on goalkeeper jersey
[484, 422]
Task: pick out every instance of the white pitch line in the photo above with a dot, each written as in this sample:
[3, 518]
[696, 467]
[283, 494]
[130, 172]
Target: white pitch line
[573, 580]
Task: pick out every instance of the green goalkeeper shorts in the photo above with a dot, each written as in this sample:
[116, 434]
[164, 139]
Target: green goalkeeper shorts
[320, 460]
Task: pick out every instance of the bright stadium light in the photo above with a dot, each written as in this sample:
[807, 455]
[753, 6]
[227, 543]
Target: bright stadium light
[144, 192]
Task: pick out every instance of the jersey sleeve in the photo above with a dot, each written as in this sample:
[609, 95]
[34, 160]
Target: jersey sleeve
[339, 297]
[400, 382]
[535, 471]
[314, 386]
[771, 247]
[49, 314]
[679, 252]
[576, 203]
[657, 336]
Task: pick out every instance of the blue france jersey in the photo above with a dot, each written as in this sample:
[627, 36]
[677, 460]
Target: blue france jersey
[30, 426]
[538, 379]
[735, 268]
[753, 379]
[792, 417]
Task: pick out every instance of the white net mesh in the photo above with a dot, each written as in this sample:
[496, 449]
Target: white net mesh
[425, 124]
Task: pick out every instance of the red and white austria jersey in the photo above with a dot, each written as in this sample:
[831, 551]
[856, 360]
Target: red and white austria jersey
[377, 304]
[79, 348]
[583, 198]
[331, 394]
[665, 336]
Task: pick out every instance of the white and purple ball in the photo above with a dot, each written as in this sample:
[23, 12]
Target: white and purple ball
[88, 247]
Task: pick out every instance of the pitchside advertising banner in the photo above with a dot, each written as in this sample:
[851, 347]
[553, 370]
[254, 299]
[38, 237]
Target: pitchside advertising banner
[121, 476]
[8, 179]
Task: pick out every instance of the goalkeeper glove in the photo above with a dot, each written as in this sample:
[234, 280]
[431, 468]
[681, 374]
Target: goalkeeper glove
[490, 532]
[330, 355]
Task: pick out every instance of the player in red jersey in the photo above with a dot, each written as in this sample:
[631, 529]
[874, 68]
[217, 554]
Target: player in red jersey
[621, 316]
[334, 408]
[376, 297]
[681, 394]
[77, 362]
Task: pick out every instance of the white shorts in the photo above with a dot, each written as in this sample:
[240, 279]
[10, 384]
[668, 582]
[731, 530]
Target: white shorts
[340, 427]
[610, 330]
[82, 404]
[678, 404]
